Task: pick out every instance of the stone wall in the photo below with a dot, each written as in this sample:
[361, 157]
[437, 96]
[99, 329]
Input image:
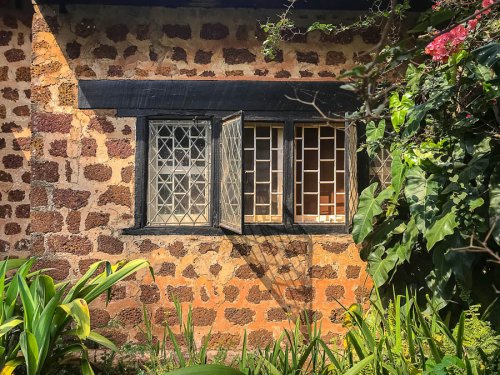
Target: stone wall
[15, 53]
[83, 164]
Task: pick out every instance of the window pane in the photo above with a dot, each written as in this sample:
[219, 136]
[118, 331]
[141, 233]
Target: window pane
[310, 160]
[319, 174]
[311, 182]
[327, 171]
[263, 171]
[265, 193]
[310, 204]
[179, 172]
[231, 184]
[311, 137]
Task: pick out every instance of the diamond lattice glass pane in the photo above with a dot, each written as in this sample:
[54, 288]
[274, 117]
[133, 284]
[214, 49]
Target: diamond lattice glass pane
[179, 172]
[231, 184]
[380, 169]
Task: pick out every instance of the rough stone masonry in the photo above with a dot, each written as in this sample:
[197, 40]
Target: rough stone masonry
[67, 177]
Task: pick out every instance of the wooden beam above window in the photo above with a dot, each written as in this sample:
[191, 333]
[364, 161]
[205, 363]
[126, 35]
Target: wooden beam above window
[213, 96]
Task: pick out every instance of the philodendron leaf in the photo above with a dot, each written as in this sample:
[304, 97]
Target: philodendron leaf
[443, 227]
[422, 194]
[379, 267]
[398, 170]
[368, 208]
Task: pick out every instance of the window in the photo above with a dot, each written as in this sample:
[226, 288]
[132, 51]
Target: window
[319, 174]
[263, 179]
[179, 172]
[234, 172]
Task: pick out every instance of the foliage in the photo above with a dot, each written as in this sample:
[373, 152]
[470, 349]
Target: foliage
[398, 339]
[430, 100]
[45, 325]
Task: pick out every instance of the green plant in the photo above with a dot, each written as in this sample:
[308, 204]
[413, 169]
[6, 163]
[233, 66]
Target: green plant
[48, 323]
[184, 353]
[429, 100]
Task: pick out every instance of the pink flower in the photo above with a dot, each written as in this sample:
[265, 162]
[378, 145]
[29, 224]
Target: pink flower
[484, 4]
[468, 115]
[472, 24]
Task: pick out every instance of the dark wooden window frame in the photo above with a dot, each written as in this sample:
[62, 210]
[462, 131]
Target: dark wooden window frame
[288, 226]
[146, 100]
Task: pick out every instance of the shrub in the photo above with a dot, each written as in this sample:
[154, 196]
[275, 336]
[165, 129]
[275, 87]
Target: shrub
[44, 325]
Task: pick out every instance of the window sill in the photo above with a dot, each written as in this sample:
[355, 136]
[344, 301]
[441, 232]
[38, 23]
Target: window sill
[249, 229]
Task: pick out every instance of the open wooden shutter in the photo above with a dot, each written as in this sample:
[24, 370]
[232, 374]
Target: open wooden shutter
[231, 182]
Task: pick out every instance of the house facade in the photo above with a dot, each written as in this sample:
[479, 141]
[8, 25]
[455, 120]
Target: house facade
[164, 133]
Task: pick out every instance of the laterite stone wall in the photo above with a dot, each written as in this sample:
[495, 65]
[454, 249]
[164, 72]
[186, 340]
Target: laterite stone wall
[82, 172]
[15, 136]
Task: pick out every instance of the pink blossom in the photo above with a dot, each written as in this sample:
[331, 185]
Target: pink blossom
[472, 24]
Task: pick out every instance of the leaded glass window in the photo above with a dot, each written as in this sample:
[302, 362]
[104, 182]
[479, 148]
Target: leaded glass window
[263, 179]
[319, 174]
[231, 173]
[179, 172]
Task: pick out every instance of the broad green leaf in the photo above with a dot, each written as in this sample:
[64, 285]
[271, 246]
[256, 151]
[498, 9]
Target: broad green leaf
[375, 133]
[422, 195]
[29, 348]
[206, 370]
[368, 208]
[381, 263]
[398, 170]
[443, 227]
[489, 55]
[79, 311]
[438, 279]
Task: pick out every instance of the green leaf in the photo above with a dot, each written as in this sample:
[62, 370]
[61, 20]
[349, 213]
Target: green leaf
[359, 367]
[379, 266]
[206, 370]
[495, 203]
[11, 365]
[101, 340]
[86, 368]
[368, 208]
[443, 227]
[398, 170]
[422, 195]
[460, 335]
[79, 311]
[375, 133]
[8, 325]
[489, 55]
[29, 348]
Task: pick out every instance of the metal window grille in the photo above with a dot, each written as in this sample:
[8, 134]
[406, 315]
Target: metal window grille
[319, 156]
[179, 172]
[263, 180]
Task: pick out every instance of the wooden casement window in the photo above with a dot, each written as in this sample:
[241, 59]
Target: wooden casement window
[232, 173]
[270, 169]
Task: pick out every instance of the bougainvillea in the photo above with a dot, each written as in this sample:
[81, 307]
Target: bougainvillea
[446, 44]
